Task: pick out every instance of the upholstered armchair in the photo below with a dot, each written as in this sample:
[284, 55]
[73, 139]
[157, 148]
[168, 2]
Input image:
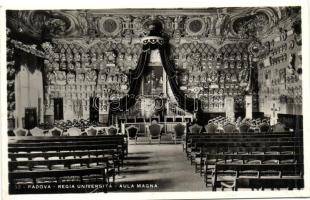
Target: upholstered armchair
[91, 131]
[195, 129]
[211, 127]
[140, 119]
[132, 133]
[278, 127]
[229, 128]
[179, 119]
[112, 130]
[131, 119]
[264, 127]
[55, 132]
[155, 118]
[155, 131]
[37, 132]
[179, 133]
[101, 131]
[244, 127]
[20, 132]
[73, 131]
[169, 118]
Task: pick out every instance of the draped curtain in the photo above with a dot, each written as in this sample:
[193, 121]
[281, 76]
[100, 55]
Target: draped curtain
[135, 80]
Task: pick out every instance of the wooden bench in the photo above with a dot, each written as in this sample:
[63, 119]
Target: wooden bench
[196, 143]
[202, 156]
[252, 157]
[230, 144]
[54, 168]
[244, 135]
[97, 156]
[117, 153]
[72, 140]
[192, 138]
[280, 149]
[76, 154]
[120, 139]
[48, 143]
[258, 176]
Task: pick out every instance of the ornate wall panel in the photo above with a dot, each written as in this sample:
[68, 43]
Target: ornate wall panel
[76, 71]
[280, 72]
[213, 74]
[216, 52]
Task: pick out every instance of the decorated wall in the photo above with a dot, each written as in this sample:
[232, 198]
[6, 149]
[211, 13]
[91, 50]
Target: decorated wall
[218, 53]
[280, 71]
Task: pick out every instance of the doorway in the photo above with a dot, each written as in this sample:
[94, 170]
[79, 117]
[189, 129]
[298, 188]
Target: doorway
[94, 109]
[58, 109]
[30, 118]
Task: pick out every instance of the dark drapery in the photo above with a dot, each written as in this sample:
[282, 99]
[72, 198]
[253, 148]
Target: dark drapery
[185, 102]
[135, 80]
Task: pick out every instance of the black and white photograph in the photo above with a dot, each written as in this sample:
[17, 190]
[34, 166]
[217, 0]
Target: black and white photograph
[134, 100]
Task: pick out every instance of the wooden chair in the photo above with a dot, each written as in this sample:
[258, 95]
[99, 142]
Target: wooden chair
[211, 128]
[147, 120]
[131, 119]
[112, 130]
[244, 127]
[121, 119]
[195, 129]
[178, 119]
[132, 132]
[73, 131]
[169, 118]
[156, 118]
[101, 131]
[55, 132]
[37, 132]
[279, 127]
[11, 133]
[229, 127]
[20, 132]
[179, 133]
[91, 131]
[264, 127]
[140, 120]
[188, 119]
[155, 131]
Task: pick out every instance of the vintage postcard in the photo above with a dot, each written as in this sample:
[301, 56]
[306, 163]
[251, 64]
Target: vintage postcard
[190, 100]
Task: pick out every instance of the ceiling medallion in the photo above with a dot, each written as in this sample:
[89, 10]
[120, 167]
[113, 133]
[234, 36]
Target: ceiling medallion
[257, 49]
[109, 26]
[195, 26]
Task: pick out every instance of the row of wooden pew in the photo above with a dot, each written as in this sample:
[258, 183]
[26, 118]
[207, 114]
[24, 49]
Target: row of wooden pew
[273, 160]
[35, 162]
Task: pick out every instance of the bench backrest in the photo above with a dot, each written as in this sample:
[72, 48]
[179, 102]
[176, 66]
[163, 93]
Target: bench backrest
[295, 168]
[289, 158]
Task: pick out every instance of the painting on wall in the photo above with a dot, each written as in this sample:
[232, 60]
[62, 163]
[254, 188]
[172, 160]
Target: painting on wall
[153, 81]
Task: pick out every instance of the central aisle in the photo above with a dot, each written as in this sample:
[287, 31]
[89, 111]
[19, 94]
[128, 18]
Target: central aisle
[164, 168]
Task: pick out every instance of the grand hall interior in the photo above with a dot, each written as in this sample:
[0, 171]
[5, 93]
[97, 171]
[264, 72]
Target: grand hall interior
[154, 100]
